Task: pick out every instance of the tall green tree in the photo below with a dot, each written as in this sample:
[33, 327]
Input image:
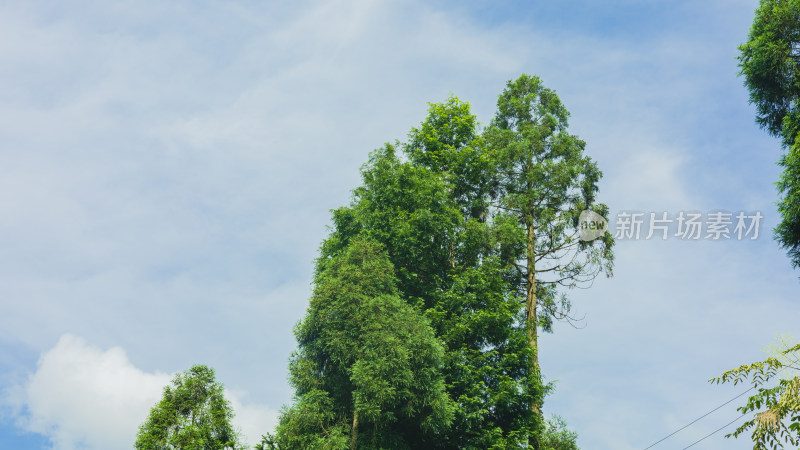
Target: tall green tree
[474, 310]
[777, 401]
[545, 180]
[770, 63]
[192, 414]
[445, 265]
[367, 373]
[442, 217]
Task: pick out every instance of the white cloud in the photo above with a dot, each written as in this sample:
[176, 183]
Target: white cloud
[251, 420]
[84, 397]
[82, 394]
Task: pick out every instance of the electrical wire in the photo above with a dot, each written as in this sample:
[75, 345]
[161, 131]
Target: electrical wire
[695, 420]
[713, 432]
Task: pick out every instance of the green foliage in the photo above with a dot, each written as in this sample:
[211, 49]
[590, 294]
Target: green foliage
[409, 211]
[448, 143]
[192, 414]
[770, 62]
[787, 232]
[439, 242]
[543, 181]
[777, 402]
[367, 373]
[488, 363]
[268, 442]
[449, 128]
[428, 214]
[557, 436]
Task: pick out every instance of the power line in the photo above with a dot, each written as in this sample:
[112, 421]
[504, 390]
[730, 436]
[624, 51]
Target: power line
[695, 420]
[713, 432]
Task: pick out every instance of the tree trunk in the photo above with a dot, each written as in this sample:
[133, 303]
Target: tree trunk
[530, 303]
[533, 324]
[354, 430]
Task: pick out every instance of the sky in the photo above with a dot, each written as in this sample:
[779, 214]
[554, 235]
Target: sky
[167, 171]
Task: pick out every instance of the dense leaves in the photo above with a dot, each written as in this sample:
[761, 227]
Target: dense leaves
[544, 181]
[429, 251]
[770, 63]
[557, 436]
[192, 414]
[788, 231]
[367, 373]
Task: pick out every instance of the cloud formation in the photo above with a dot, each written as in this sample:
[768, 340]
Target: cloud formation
[81, 396]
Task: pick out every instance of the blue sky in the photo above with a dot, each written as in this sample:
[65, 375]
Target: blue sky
[167, 170]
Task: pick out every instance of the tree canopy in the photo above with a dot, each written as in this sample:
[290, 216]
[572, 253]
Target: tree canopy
[456, 246]
[557, 436]
[770, 63]
[192, 414]
[367, 373]
[545, 180]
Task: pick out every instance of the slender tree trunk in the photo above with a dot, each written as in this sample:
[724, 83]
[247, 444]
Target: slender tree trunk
[533, 322]
[354, 430]
[530, 302]
[533, 325]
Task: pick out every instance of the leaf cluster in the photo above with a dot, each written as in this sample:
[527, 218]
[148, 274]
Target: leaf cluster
[770, 63]
[776, 403]
[192, 414]
[557, 436]
[787, 232]
[431, 250]
[367, 373]
[545, 180]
